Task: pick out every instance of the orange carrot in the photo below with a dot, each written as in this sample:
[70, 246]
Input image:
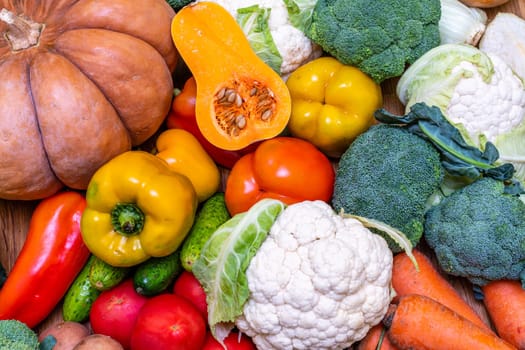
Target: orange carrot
[374, 337]
[429, 282]
[505, 303]
[417, 322]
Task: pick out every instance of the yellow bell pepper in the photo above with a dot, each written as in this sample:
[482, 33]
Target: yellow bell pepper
[185, 155]
[332, 104]
[137, 208]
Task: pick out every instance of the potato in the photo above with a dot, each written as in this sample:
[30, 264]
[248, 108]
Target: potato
[67, 334]
[98, 342]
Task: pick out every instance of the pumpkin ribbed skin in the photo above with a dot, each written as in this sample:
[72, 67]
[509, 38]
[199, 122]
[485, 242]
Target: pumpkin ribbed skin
[98, 82]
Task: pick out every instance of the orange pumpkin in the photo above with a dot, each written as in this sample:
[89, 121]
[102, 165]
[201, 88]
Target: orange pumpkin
[81, 81]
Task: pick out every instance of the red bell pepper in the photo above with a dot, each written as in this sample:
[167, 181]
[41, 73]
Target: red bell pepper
[182, 116]
[51, 257]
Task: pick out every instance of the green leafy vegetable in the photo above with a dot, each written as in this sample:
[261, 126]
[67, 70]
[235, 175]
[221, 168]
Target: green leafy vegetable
[459, 158]
[254, 23]
[300, 13]
[221, 267]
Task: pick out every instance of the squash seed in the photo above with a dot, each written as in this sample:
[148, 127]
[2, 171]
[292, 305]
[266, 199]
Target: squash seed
[240, 102]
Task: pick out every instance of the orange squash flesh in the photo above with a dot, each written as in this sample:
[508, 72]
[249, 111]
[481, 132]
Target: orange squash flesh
[240, 99]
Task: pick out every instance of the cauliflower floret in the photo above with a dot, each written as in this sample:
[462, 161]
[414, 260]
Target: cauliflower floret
[319, 281]
[492, 111]
[478, 105]
[505, 37]
[293, 45]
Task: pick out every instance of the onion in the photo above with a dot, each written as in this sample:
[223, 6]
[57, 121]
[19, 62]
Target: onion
[460, 24]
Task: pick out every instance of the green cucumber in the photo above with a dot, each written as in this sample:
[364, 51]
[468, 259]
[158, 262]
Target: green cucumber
[3, 275]
[104, 276]
[211, 215]
[156, 274]
[80, 296]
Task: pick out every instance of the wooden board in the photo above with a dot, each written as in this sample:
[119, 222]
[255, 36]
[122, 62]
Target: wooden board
[15, 215]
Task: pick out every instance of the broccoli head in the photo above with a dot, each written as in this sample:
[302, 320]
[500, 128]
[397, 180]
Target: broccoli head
[379, 37]
[178, 4]
[15, 335]
[478, 232]
[388, 174]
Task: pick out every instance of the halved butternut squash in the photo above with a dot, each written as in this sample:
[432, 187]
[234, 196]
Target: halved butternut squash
[240, 99]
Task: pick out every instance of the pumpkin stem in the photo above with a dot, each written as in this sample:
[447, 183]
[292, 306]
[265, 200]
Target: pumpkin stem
[22, 33]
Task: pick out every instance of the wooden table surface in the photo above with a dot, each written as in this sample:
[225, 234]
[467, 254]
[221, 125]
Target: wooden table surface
[15, 215]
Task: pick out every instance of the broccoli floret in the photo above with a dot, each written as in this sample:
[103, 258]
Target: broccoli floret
[379, 37]
[15, 335]
[388, 174]
[478, 232]
[178, 4]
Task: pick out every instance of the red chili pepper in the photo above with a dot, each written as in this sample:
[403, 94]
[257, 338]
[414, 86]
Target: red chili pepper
[51, 257]
[182, 116]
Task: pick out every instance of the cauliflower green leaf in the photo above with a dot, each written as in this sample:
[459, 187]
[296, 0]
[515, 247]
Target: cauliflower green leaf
[254, 22]
[224, 259]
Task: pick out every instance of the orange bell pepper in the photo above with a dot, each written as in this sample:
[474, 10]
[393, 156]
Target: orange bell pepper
[185, 155]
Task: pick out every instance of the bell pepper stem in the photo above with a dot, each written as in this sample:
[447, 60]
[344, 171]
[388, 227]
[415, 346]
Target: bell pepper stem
[127, 219]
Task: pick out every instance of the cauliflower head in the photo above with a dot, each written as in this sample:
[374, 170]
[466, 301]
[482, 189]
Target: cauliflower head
[477, 92]
[478, 105]
[293, 46]
[318, 281]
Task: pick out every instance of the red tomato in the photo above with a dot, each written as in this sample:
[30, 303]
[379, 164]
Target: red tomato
[232, 342]
[285, 168]
[189, 287]
[168, 322]
[115, 311]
